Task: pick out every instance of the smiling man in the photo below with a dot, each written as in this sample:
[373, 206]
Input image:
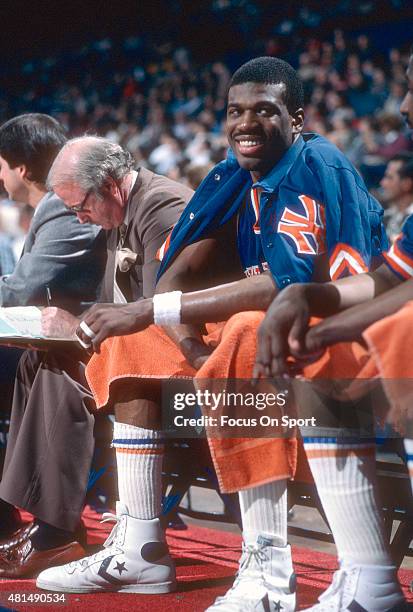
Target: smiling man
[366, 341]
[281, 209]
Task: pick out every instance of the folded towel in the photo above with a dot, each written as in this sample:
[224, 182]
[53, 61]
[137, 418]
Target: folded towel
[239, 462]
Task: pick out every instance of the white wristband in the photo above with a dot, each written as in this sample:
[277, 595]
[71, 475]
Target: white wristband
[167, 308]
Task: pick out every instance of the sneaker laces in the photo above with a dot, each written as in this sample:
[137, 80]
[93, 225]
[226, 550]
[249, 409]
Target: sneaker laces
[252, 555]
[111, 539]
[113, 518]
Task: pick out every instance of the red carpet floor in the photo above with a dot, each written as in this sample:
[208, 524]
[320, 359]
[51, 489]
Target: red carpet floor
[206, 561]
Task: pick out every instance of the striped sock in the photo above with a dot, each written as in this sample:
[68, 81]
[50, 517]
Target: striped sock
[139, 455]
[344, 472]
[264, 512]
[408, 447]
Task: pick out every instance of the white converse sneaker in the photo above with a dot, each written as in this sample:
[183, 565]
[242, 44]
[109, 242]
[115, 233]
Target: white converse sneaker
[135, 559]
[265, 581]
[362, 589]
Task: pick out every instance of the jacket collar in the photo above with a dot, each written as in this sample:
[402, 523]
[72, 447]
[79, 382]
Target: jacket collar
[138, 190]
[271, 181]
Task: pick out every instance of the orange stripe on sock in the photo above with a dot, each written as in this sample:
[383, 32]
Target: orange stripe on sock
[339, 452]
[141, 451]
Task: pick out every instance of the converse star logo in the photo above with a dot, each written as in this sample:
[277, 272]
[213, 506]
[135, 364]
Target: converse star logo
[278, 607]
[120, 567]
[105, 574]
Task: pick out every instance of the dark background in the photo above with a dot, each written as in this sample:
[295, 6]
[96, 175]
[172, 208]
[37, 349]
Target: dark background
[210, 28]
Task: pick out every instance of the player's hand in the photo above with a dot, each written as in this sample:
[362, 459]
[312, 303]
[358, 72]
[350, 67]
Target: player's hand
[104, 320]
[342, 327]
[58, 323]
[282, 333]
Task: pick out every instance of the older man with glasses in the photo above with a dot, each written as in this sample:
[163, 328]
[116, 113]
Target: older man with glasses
[95, 179]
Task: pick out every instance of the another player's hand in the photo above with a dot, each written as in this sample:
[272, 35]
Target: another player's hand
[104, 320]
[282, 333]
[342, 327]
[58, 323]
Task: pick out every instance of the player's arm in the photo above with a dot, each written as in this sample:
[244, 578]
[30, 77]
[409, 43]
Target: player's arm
[350, 324]
[388, 297]
[215, 303]
[283, 331]
[209, 261]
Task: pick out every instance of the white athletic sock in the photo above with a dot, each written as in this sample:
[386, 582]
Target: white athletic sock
[264, 512]
[408, 447]
[139, 455]
[345, 475]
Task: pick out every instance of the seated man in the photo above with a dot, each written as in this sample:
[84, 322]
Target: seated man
[285, 209]
[51, 432]
[61, 258]
[343, 459]
[377, 311]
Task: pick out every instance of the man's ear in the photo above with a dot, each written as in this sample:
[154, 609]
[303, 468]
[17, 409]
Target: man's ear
[23, 171]
[297, 121]
[109, 184]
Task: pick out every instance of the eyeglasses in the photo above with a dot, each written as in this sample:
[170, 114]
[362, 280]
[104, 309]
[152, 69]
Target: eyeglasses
[78, 208]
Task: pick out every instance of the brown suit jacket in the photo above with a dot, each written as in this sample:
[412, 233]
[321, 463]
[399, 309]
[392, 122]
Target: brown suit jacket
[154, 206]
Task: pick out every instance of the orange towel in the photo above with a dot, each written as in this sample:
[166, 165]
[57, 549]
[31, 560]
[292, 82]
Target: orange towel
[239, 462]
[387, 357]
[244, 462]
[349, 365]
[389, 344]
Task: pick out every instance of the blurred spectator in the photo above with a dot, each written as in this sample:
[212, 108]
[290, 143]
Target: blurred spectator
[167, 108]
[396, 95]
[166, 155]
[382, 144]
[342, 134]
[393, 141]
[397, 186]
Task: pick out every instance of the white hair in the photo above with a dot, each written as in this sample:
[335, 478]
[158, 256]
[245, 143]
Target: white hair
[89, 161]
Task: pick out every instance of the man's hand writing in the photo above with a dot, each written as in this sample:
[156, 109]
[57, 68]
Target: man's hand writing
[58, 323]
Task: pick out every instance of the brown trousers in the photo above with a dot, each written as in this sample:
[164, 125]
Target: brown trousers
[50, 444]
[51, 437]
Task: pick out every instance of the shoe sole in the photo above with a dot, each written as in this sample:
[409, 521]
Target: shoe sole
[149, 589]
